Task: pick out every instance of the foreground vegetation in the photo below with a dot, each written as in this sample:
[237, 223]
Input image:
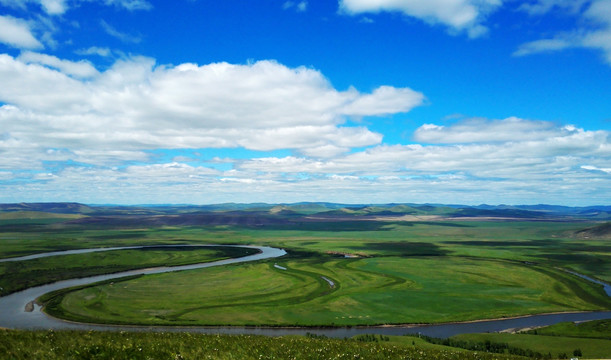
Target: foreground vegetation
[590, 340]
[553, 346]
[69, 345]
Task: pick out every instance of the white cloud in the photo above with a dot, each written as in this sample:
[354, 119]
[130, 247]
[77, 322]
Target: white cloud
[112, 31]
[298, 6]
[486, 131]
[59, 7]
[560, 164]
[54, 7]
[130, 4]
[540, 7]
[79, 69]
[136, 105]
[51, 7]
[594, 168]
[458, 15]
[17, 33]
[594, 31]
[385, 100]
[95, 50]
[544, 45]
[533, 152]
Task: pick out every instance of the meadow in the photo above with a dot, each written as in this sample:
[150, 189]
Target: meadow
[368, 291]
[339, 271]
[399, 272]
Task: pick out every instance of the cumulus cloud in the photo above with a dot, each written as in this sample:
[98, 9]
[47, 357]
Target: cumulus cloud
[541, 170]
[458, 15]
[543, 163]
[479, 130]
[570, 168]
[533, 151]
[594, 31]
[17, 33]
[385, 100]
[136, 105]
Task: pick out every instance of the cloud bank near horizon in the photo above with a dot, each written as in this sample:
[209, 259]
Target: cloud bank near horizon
[67, 127]
[104, 125]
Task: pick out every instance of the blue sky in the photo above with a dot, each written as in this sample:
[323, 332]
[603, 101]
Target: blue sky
[352, 101]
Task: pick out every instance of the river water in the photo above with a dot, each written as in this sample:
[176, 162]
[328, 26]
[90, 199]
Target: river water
[14, 316]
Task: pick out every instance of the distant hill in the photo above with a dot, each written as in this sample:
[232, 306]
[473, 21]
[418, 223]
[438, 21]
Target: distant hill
[599, 231]
[240, 218]
[58, 208]
[499, 213]
[264, 212]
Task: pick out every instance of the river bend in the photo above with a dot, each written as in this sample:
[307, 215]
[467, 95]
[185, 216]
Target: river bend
[14, 316]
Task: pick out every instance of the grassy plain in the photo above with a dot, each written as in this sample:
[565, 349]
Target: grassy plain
[416, 271]
[368, 291]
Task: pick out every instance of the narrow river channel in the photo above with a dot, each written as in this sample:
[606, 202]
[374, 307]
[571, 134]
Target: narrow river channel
[14, 316]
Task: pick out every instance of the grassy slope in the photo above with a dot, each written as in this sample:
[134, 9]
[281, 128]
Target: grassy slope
[50, 345]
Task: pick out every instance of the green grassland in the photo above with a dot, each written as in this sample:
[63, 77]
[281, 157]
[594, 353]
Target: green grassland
[18, 275]
[556, 345]
[417, 271]
[406, 272]
[368, 291]
[73, 345]
[600, 329]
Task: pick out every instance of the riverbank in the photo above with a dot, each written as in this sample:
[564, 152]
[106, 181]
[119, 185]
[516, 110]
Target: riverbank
[37, 319]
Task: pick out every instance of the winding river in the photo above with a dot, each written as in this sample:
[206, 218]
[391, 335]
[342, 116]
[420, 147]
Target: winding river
[13, 312]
